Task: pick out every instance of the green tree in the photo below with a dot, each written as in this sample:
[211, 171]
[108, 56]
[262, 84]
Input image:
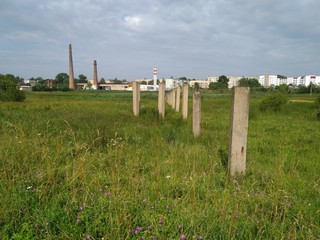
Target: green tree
[223, 80]
[62, 79]
[39, 80]
[222, 83]
[9, 89]
[82, 78]
[249, 82]
[216, 86]
[283, 88]
[117, 81]
[89, 85]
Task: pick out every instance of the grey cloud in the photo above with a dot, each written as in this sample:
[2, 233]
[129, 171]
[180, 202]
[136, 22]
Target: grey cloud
[196, 37]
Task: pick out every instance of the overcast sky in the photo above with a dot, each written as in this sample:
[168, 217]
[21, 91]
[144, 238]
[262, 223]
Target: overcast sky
[192, 38]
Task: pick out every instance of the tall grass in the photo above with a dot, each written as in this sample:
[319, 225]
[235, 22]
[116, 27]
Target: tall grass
[79, 165]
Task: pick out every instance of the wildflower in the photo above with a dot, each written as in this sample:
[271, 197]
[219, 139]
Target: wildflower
[81, 208]
[78, 219]
[149, 228]
[160, 222]
[136, 232]
[47, 224]
[152, 207]
[143, 238]
[179, 227]
[182, 236]
[200, 237]
[139, 228]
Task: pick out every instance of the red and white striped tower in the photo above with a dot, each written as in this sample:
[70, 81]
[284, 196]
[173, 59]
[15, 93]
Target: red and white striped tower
[155, 77]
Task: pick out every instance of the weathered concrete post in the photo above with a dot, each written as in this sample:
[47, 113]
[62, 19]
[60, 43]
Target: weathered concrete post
[185, 101]
[71, 75]
[136, 98]
[161, 99]
[178, 93]
[95, 75]
[196, 124]
[173, 98]
[238, 130]
[168, 98]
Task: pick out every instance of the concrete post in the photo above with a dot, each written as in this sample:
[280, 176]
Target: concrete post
[238, 130]
[196, 124]
[161, 99]
[95, 75]
[173, 98]
[169, 98]
[178, 99]
[71, 75]
[185, 101]
[136, 98]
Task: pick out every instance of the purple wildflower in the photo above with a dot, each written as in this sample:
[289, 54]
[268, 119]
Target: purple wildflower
[200, 237]
[182, 236]
[179, 227]
[78, 219]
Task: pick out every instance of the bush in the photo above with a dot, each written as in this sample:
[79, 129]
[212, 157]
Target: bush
[317, 106]
[9, 90]
[273, 102]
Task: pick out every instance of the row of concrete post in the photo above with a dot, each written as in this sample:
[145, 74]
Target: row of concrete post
[238, 118]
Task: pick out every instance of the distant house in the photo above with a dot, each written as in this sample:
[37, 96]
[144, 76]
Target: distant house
[51, 83]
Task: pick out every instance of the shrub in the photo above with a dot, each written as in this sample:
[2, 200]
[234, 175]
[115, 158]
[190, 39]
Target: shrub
[273, 102]
[317, 106]
[9, 90]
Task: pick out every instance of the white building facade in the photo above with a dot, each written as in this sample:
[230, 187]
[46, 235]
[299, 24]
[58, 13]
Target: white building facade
[276, 80]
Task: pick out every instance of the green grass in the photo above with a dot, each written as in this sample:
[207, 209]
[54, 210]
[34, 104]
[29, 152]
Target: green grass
[78, 165]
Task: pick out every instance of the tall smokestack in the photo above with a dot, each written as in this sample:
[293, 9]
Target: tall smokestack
[95, 75]
[71, 76]
[155, 77]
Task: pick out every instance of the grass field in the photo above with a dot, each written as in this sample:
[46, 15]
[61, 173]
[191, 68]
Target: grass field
[79, 165]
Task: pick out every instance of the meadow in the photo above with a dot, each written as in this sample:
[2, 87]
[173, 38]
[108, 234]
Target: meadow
[79, 165]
